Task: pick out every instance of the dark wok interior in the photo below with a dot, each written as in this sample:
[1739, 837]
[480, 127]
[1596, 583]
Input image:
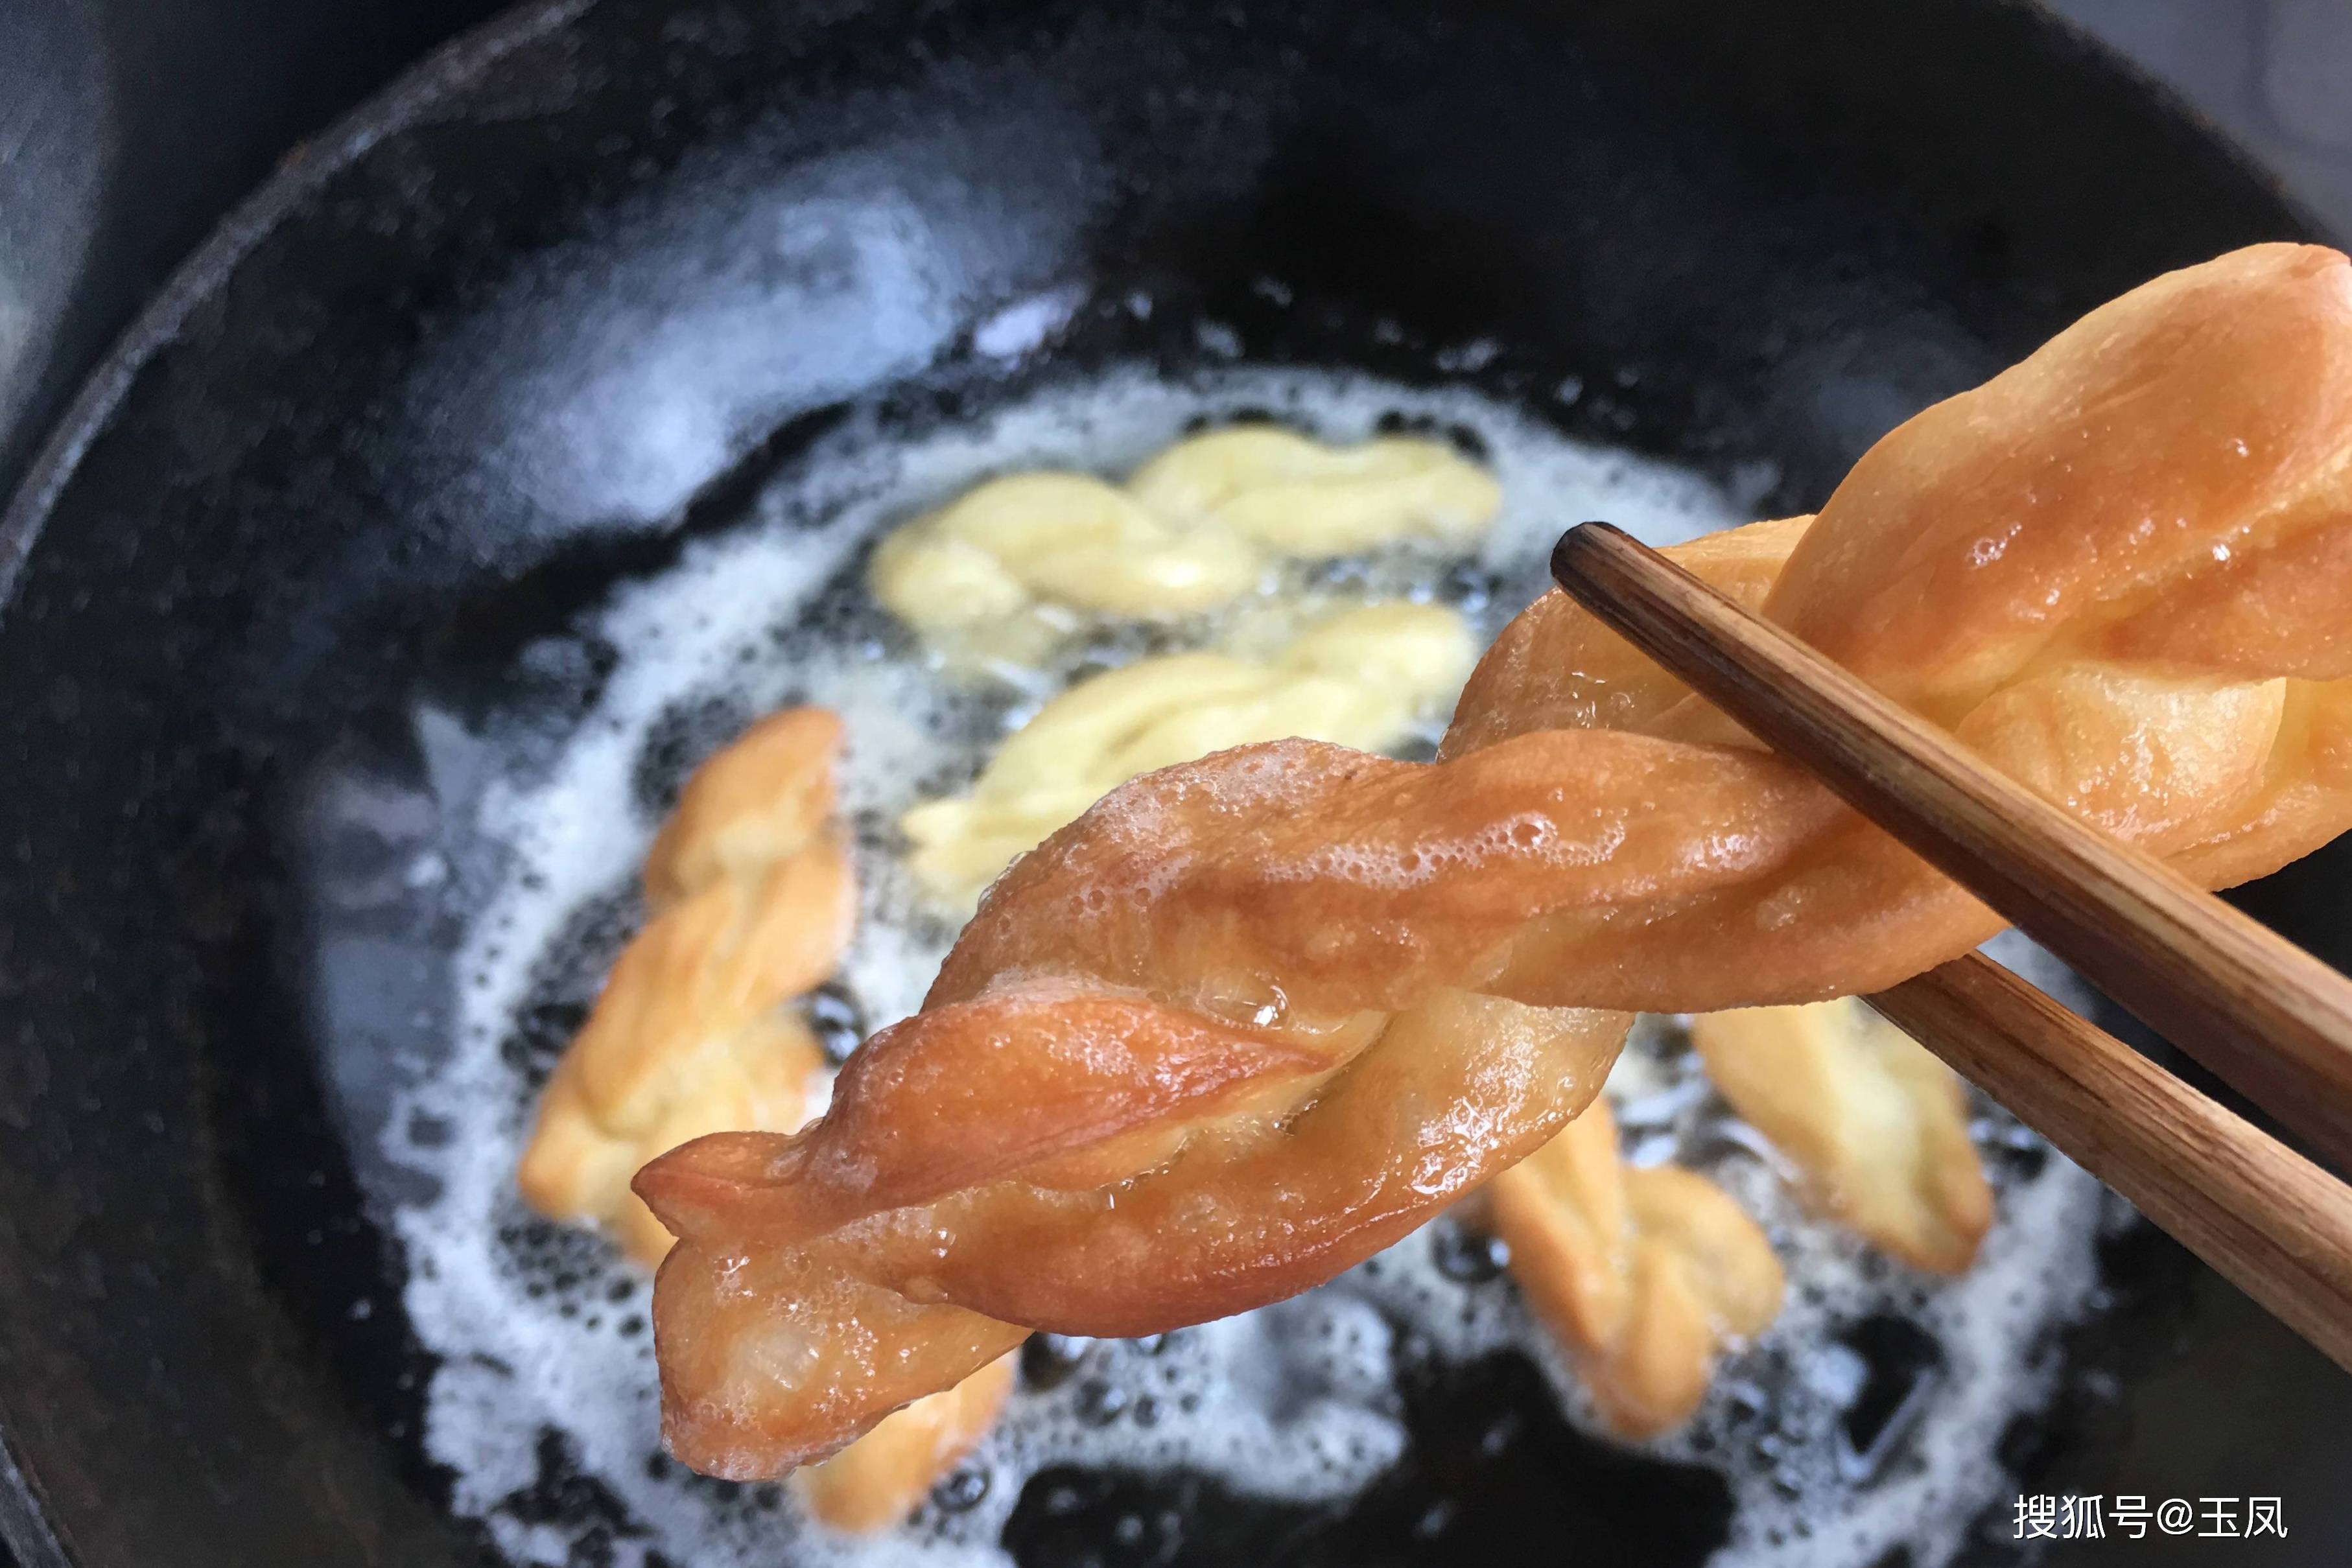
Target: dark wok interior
[573, 291]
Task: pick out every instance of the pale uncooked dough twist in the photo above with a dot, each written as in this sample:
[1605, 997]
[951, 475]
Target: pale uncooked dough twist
[1363, 677]
[1254, 1018]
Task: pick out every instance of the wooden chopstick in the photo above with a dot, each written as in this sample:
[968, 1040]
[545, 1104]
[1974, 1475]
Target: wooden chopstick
[2266, 1218]
[2260, 1011]
[2265, 1015]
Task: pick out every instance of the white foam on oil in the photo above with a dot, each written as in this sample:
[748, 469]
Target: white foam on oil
[543, 1332]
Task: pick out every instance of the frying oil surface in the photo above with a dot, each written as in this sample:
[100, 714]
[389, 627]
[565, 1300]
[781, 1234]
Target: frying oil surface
[547, 1385]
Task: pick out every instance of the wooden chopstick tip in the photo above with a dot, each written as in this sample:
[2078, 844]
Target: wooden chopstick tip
[1579, 544]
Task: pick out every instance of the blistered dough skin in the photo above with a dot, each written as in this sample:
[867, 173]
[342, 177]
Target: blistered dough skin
[1643, 1275]
[1269, 1011]
[1363, 678]
[1877, 1127]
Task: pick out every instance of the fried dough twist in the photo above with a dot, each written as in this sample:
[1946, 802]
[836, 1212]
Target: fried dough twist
[751, 902]
[1254, 1018]
[1643, 1273]
[1364, 677]
[1877, 1128]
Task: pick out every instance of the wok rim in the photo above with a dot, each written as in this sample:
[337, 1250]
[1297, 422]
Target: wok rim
[398, 106]
[395, 106]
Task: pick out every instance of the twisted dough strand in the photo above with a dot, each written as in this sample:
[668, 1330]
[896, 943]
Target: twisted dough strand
[1643, 1273]
[1253, 1017]
[751, 902]
[1877, 1128]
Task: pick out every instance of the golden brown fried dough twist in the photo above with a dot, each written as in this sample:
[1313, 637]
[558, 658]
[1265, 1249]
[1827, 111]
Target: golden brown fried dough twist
[751, 902]
[1254, 1018]
[877, 1481]
[1643, 1275]
[1877, 1128]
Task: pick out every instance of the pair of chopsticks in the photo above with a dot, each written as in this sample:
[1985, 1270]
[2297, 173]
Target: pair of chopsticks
[2259, 1011]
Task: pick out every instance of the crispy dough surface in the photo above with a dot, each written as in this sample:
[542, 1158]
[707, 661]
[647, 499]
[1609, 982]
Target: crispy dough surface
[1275, 1008]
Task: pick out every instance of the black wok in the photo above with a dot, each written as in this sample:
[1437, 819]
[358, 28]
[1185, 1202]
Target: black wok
[379, 437]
